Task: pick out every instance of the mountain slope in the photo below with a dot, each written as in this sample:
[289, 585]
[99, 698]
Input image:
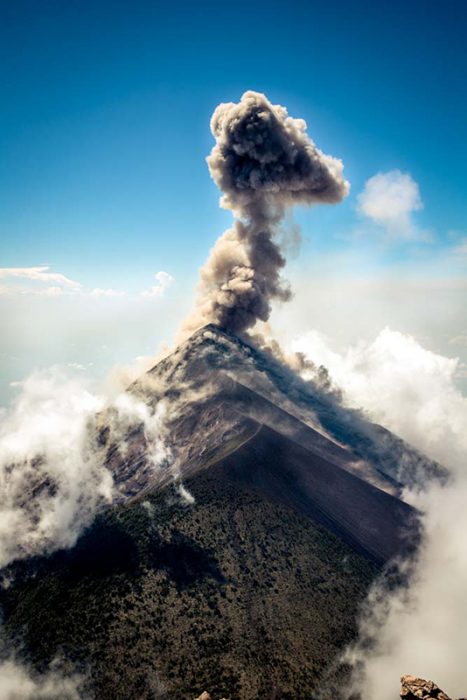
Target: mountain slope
[238, 593]
[253, 589]
[216, 368]
[369, 519]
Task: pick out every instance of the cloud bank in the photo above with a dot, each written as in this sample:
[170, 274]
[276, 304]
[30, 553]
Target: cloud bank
[416, 629]
[405, 387]
[53, 472]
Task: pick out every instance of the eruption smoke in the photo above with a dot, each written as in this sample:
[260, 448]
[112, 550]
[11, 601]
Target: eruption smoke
[263, 162]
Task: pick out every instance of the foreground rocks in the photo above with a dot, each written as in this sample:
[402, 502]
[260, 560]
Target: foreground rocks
[412, 688]
[419, 689]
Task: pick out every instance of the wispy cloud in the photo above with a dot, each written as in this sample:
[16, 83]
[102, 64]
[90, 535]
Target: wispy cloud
[40, 274]
[389, 200]
[40, 281]
[164, 280]
[461, 248]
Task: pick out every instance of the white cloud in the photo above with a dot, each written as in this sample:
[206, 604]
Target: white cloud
[402, 385]
[45, 436]
[26, 281]
[53, 480]
[37, 281]
[389, 200]
[164, 280]
[18, 682]
[38, 274]
[419, 629]
[53, 477]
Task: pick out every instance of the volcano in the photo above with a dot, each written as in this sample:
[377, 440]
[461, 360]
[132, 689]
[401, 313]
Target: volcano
[249, 584]
[238, 408]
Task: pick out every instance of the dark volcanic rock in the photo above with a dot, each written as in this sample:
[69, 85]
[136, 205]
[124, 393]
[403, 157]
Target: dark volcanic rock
[238, 593]
[215, 384]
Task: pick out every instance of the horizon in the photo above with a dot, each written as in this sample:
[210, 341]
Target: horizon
[105, 184]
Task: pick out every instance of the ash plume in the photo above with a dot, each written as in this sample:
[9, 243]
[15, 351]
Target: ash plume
[264, 162]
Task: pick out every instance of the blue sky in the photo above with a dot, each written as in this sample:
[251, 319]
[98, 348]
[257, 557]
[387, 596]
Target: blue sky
[105, 128]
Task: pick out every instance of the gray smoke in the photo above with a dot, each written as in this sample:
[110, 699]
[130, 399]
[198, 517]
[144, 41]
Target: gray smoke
[263, 162]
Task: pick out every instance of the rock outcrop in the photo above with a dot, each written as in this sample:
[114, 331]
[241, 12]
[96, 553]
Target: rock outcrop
[419, 689]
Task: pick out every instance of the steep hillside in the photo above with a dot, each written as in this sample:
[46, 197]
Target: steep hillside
[215, 371]
[236, 593]
[250, 586]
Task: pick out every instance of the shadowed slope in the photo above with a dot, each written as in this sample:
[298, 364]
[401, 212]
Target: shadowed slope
[369, 519]
[239, 593]
[214, 367]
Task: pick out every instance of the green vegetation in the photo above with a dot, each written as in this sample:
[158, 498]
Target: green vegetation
[236, 594]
